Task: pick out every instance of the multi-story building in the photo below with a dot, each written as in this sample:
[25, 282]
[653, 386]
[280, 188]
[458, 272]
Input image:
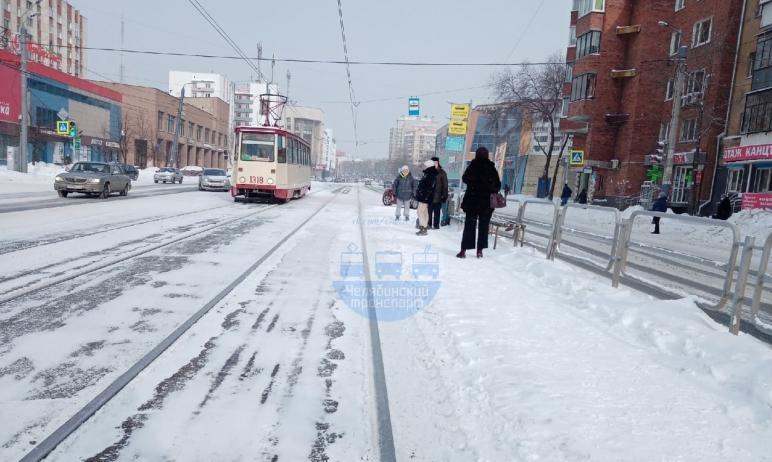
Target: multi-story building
[746, 167]
[54, 95]
[413, 139]
[247, 110]
[150, 122]
[623, 71]
[308, 123]
[57, 33]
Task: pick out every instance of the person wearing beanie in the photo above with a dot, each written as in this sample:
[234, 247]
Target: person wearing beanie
[440, 195]
[404, 190]
[481, 180]
[424, 195]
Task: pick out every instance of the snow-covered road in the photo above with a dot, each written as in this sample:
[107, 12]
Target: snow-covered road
[510, 358]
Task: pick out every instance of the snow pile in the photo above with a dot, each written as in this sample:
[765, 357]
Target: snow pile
[40, 172]
[754, 222]
[146, 175]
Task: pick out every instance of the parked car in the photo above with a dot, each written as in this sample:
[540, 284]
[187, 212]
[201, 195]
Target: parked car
[214, 178]
[131, 171]
[168, 175]
[192, 170]
[93, 179]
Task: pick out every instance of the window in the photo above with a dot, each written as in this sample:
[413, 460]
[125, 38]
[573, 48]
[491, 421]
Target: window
[757, 116]
[206, 135]
[734, 183]
[664, 132]
[45, 117]
[170, 123]
[572, 36]
[588, 6]
[675, 42]
[182, 128]
[583, 87]
[564, 108]
[763, 180]
[765, 12]
[160, 121]
[569, 72]
[199, 132]
[680, 4]
[751, 63]
[701, 32]
[256, 147]
[689, 130]
[190, 129]
[588, 44]
[669, 90]
[695, 82]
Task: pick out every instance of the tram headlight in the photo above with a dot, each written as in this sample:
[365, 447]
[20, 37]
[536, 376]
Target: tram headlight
[242, 179]
[270, 180]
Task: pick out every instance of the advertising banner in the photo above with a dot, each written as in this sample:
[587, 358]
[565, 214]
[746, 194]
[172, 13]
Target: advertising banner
[414, 107]
[745, 153]
[10, 102]
[459, 111]
[457, 127]
[757, 201]
[454, 143]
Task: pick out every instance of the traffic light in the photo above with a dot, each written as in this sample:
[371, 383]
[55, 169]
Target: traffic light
[73, 130]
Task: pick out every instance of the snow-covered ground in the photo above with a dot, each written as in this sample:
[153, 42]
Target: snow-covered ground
[514, 357]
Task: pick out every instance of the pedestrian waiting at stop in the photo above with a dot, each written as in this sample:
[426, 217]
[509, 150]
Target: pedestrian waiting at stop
[481, 180]
[440, 195]
[581, 198]
[404, 190]
[724, 209]
[660, 205]
[424, 194]
[565, 195]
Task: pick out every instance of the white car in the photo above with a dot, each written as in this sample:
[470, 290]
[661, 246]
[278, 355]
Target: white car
[168, 175]
[214, 179]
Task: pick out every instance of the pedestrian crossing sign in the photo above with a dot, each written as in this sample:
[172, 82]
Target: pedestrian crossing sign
[63, 127]
[576, 159]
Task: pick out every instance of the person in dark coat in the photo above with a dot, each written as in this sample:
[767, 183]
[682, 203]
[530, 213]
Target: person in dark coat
[660, 205]
[724, 210]
[424, 194]
[582, 197]
[507, 189]
[404, 189]
[565, 195]
[481, 180]
[440, 195]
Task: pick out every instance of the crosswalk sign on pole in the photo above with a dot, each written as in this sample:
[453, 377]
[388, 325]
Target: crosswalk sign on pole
[576, 158]
[63, 127]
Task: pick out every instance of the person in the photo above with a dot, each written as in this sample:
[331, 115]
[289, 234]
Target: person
[440, 195]
[582, 197]
[506, 190]
[660, 205]
[724, 210]
[404, 189]
[424, 194]
[565, 195]
[481, 180]
[445, 221]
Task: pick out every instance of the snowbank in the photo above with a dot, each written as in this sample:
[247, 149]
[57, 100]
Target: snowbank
[40, 177]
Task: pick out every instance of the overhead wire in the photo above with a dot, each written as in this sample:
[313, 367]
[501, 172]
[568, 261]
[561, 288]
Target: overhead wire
[351, 94]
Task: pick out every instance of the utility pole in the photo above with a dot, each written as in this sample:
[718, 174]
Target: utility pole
[175, 147]
[21, 164]
[672, 139]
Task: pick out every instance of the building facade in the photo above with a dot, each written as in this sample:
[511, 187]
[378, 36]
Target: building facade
[150, 121]
[247, 110]
[622, 82]
[307, 123]
[745, 171]
[57, 33]
[54, 95]
[413, 139]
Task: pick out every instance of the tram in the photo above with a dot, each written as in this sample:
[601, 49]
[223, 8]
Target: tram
[270, 163]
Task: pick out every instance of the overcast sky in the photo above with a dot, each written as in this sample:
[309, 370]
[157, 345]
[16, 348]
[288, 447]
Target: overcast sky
[385, 30]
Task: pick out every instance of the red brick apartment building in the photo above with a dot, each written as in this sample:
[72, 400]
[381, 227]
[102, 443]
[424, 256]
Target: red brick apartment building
[619, 99]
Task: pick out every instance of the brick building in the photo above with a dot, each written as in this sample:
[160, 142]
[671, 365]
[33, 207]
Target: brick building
[621, 89]
[150, 120]
[746, 168]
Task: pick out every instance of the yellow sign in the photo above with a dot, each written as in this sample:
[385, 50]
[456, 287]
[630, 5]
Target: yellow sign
[576, 158]
[459, 111]
[457, 127]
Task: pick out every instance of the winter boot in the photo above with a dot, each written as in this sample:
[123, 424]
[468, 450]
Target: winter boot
[479, 253]
[421, 232]
[461, 254]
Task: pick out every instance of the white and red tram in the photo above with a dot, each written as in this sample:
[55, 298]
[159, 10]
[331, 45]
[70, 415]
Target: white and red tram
[270, 163]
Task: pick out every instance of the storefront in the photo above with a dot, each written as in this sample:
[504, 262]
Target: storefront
[749, 174]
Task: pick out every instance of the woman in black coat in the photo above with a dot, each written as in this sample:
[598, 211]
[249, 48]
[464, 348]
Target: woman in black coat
[481, 180]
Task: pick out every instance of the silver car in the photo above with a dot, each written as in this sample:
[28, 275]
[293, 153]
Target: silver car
[214, 178]
[168, 175]
[93, 179]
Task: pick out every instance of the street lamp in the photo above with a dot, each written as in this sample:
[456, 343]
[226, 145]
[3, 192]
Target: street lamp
[24, 133]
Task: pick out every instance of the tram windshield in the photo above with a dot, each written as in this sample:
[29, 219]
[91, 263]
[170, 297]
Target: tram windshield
[257, 147]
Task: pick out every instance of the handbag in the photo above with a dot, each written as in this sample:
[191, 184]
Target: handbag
[498, 201]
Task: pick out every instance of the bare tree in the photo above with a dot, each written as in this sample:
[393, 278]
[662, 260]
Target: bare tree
[538, 91]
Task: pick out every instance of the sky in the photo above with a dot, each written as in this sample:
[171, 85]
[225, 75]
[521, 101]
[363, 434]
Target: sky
[502, 31]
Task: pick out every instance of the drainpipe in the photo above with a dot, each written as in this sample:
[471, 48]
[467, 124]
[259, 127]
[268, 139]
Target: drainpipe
[731, 103]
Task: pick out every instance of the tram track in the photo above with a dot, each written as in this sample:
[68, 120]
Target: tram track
[47, 445]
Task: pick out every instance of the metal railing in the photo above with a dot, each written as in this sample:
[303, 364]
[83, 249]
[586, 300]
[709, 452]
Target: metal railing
[612, 240]
[761, 278]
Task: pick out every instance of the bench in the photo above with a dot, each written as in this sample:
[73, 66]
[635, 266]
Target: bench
[509, 224]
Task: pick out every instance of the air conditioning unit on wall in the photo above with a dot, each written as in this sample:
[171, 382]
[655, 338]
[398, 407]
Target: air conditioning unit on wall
[614, 164]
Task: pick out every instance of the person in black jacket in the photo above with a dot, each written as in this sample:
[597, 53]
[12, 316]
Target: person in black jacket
[565, 195]
[424, 194]
[481, 180]
[440, 195]
[660, 205]
[724, 210]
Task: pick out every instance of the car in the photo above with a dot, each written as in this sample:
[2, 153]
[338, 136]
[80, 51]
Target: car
[93, 179]
[368, 182]
[192, 170]
[214, 178]
[168, 175]
[131, 171]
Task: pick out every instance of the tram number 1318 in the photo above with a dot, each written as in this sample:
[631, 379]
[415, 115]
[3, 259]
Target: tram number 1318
[257, 180]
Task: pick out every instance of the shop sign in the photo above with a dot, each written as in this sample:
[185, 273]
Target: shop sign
[746, 153]
[36, 52]
[757, 200]
[112, 144]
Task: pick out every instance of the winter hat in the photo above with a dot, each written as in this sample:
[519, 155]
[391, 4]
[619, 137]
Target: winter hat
[404, 169]
[481, 153]
[429, 163]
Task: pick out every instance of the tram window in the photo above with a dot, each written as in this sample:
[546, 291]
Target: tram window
[293, 151]
[282, 155]
[257, 147]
